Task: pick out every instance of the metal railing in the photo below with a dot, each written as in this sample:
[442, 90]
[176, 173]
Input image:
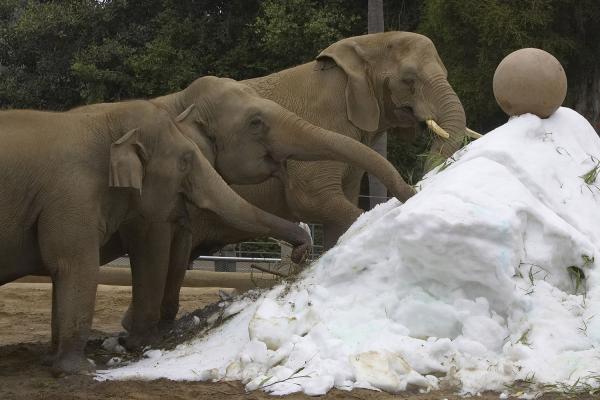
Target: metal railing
[239, 257]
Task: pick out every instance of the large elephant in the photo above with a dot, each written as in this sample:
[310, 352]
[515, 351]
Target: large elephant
[359, 87]
[248, 139]
[70, 180]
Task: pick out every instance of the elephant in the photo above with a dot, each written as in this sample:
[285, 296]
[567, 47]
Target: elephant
[72, 180]
[248, 139]
[359, 87]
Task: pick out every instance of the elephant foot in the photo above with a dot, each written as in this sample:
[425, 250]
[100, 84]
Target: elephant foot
[166, 325]
[71, 365]
[134, 341]
[127, 320]
[48, 359]
[169, 310]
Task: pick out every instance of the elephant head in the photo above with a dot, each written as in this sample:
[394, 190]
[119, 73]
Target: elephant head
[397, 79]
[162, 163]
[250, 137]
[159, 161]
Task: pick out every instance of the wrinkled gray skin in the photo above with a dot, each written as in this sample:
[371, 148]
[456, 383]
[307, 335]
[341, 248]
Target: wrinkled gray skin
[66, 188]
[248, 139]
[359, 87]
[70, 180]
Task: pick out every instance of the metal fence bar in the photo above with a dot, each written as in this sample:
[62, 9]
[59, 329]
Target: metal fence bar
[374, 197]
[240, 259]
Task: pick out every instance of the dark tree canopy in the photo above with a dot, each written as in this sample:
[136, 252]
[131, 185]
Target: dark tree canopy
[58, 54]
[473, 36]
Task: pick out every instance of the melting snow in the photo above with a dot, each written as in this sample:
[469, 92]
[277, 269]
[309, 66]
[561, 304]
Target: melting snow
[472, 283]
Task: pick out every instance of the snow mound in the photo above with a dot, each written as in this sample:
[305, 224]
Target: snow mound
[488, 275]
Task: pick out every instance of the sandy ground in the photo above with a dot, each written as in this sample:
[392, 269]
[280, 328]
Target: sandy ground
[25, 335]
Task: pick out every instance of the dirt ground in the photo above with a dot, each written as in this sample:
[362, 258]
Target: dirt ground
[25, 335]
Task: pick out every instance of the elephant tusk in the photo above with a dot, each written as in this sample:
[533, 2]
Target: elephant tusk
[437, 129]
[472, 134]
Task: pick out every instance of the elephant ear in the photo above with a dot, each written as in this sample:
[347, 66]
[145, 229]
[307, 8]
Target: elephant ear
[361, 102]
[189, 113]
[199, 133]
[192, 117]
[126, 168]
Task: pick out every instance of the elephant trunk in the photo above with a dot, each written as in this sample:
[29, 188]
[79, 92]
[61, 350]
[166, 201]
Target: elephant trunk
[205, 189]
[449, 114]
[312, 143]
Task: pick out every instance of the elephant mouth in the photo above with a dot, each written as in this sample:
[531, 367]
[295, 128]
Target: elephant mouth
[272, 163]
[405, 112]
[401, 115]
[404, 116]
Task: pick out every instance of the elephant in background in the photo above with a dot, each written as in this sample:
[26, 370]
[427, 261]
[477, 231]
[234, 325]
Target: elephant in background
[359, 87]
[71, 180]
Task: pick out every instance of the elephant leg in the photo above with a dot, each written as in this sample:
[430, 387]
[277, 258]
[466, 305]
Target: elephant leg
[48, 359]
[75, 284]
[181, 249]
[351, 184]
[318, 195]
[73, 265]
[338, 222]
[149, 247]
[333, 209]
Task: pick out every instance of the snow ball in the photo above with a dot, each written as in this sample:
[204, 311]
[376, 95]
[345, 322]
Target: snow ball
[530, 81]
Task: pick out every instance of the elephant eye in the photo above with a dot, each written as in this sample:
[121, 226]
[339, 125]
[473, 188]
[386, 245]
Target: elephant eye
[185, 162]
[410, 83]
[256, 124]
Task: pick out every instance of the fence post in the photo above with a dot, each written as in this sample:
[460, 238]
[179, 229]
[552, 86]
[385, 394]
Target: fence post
[226, 266]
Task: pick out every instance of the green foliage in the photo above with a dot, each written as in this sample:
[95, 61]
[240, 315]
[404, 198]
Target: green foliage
[55, 55]
[37, 43]
[590, 177]
[162, 49]
[59, 54]
[402, 15]
[473, 36]
[294, 31]
[408, 153]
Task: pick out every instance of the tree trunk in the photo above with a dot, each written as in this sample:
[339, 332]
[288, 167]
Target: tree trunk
[375, 16]
[377, 190]
[587, 101]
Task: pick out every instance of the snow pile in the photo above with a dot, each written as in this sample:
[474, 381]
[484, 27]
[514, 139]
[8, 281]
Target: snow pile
[475, 282]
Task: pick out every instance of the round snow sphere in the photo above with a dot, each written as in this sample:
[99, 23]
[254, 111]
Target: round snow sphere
[530, 81]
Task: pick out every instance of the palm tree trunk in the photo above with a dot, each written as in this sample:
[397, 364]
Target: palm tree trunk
[377, 190]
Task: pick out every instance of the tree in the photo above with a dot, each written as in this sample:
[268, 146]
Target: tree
[584, 73]
[293, 32]
[473, 36]
[59, 54]
[37, 44]
[377, 190]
